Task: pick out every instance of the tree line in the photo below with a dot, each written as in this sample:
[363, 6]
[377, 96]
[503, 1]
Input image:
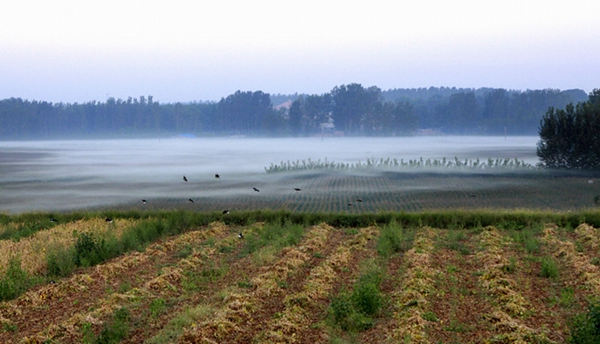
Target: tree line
[352, 108]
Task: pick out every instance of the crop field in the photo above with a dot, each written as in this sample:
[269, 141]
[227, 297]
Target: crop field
[375, 191]
[285, 277]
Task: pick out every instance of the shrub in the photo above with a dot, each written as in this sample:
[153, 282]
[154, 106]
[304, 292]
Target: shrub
[89, 250]
[549, 268]
[585, 328]
[14, 282]
[60, 262]
[354, 312]
[392, 239]
[115, 330]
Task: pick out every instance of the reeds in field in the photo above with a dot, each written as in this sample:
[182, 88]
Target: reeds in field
[498, 164]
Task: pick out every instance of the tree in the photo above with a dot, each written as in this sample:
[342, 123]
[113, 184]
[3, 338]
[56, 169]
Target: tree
[570, 138]
[351, 104]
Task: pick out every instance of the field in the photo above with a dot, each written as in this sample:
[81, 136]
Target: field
[469, 276]
[327, 191]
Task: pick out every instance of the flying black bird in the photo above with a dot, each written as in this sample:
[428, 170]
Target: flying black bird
[255, 189]
[191, 200]
[109, 220]
[226, 211]
[359, 200]
[184, 179]
[144, 201]
[472, 195]
[217, 176]
[240, 235]
[350, 204]
[297, 189]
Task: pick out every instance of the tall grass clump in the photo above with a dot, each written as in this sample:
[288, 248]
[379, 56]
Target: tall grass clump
[549, 268]
[393, 239]
[15, 281]
[115, 330]
[585, 328]
[275, 235]
[354, 311]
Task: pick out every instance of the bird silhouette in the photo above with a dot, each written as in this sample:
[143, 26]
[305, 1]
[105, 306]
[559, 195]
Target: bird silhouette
[217, 176]
[53, 219]
[350, 204]
[297, 189]
[184, 179]
[226, 211]
[109, 220]
[472, 195]
[240, 235]
[191, 200]
[255, 189]
[144, 201]
[359, 200]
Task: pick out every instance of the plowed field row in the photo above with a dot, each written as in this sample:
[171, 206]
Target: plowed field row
[451, 285]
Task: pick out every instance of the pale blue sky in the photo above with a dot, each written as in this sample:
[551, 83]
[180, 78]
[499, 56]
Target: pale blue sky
[76, 51]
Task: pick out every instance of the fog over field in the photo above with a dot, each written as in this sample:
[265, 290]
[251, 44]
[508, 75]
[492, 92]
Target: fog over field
[68, 175]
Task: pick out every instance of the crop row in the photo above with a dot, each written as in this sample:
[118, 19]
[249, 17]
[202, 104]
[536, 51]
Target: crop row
[511, 306]
[89, 290]
[416, 284]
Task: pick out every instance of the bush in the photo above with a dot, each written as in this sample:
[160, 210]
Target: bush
[115, 330]
[354, 312]
[14, 282]
[549, 268]
[89, 250]
[585, 328]
[60, 262]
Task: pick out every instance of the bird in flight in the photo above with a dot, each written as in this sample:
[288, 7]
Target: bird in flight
[143, 201]
[297, 189]
[217, 176]
[226, 211]
[359, 200]
[255, 189]
[191, 200]
[184, 179]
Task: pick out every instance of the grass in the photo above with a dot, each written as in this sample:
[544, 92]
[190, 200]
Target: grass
[585, 328]
[549, 268]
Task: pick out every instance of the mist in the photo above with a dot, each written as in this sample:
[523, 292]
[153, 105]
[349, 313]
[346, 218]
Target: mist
[75, 174]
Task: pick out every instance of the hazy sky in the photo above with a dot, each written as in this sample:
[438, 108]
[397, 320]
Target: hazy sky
[77, 51]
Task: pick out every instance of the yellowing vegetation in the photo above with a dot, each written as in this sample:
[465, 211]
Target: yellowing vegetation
[32, 250]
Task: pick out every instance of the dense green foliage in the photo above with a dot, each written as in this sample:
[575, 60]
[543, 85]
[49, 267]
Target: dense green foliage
[352, 108]
[14, 282]
[570, 138]
[585, 328]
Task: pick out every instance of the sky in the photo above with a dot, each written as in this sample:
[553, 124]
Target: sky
[183, 51]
